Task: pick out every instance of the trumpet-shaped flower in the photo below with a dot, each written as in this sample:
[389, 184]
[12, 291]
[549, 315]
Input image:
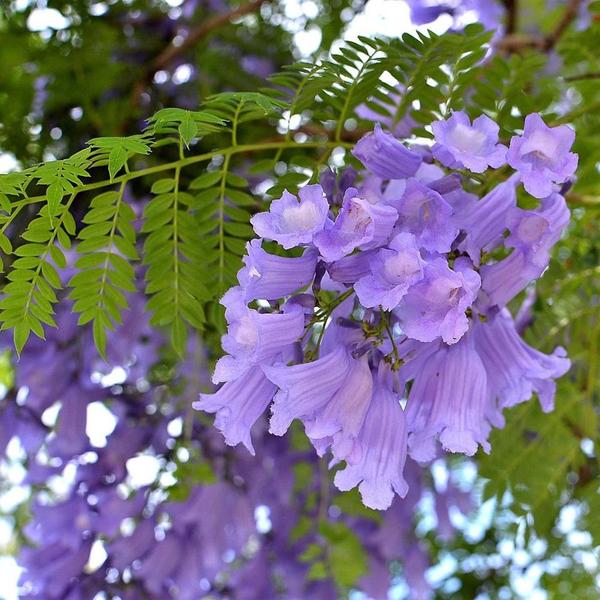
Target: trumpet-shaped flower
[359, 224]
[385, 156]
[292, 221]
[378, 471]
[425, 214]
[542, 155]
[238, 404]
[306, 388]
[448, 401]
[270, 277]
[435, 307]
[514, 369]
[460, 144]
[392, 271]
[253, 337]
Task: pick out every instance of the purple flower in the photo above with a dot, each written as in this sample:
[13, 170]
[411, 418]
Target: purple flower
[71, 438]
[541, 155]
[473, 147]
[157, 567]
[445, 501]
[435, 307]
[485, 221]
[392, 271]
[424, 213]
[342, 417]
[335, 186]
[533, 233]
[305, 389]
[253, 337]
[448, 400]
[259, 66]
[238, 405]
[514, 369]
[292, 221]
[378, 471]
[488, 12]
[19, 421]
[199, 522]
[125, 550]
[359, 224]
[385, 156]
[270, 277]
[51, 569]
[351, 268]
[422, 12]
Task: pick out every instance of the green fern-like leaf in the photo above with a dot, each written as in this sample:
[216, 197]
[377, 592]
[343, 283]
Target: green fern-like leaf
[30, 294]
[105, 273]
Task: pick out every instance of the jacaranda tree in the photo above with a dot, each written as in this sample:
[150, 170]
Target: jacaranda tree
[290, 324]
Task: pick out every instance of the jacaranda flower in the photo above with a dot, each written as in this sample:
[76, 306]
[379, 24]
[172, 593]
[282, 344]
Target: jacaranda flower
[462, 145]
[541, 155]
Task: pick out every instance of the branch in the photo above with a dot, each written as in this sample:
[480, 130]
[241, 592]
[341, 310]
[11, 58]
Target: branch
[512, 11]
[515, 42]
[568, 17]
[177, 47]
[195, 35]
[583, 76]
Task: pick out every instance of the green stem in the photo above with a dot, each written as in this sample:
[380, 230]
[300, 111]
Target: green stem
[327, 309]
[185, 162]
[110, 249]
[222, 222]
[388, 329]
[176, 234]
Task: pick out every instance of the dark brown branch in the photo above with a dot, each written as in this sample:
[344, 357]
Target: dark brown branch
[583, 76]
[567, 18]
[512, 11]
[515, 42]
[200, 32]
[177, 47]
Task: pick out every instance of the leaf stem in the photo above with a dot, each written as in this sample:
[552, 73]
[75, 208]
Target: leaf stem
[185, 162]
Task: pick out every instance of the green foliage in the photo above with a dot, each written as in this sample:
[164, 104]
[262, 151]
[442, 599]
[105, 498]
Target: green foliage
[105, 273]
[196, 222]
[197, 169]
[341, 556]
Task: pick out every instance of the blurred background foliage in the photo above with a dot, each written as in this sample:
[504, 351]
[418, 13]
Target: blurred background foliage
[99, 68]
[75, 70]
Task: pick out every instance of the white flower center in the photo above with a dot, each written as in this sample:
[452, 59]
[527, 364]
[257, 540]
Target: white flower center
[542, 144]
[302, 217]
[467, 139]
[400, 267]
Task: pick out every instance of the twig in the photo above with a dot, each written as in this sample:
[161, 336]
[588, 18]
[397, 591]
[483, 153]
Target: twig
[177, 46]
[567, 18]
[583, 76]
[512, 11]
[515, 42]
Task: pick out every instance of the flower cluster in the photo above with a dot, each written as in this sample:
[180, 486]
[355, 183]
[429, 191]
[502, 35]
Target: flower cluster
[381, 323]
[210, 521]
[101, 533]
